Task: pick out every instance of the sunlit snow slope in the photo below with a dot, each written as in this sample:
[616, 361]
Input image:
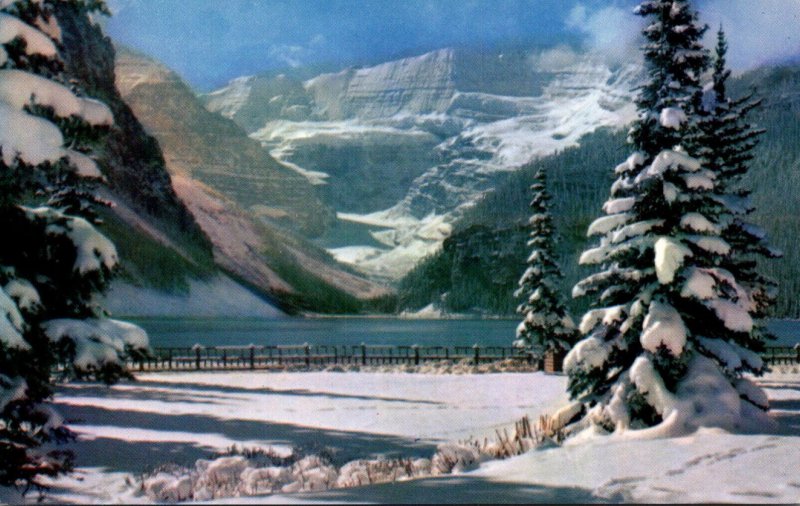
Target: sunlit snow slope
[404, 147]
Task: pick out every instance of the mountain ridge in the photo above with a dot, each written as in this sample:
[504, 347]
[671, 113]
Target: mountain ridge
[201, 145]
[464, 277]
[432, 128]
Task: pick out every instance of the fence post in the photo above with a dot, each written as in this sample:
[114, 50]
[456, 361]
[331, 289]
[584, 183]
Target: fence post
[797, 349]
[224, 359]
[416, 354]
[308, 355]
[252, 356]
[169, 359]
[197, 356]
[363, 354]
[477, 354]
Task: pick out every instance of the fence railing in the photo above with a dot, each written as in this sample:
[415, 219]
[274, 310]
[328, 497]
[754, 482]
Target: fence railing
[206, 358]
[264, 357]
[781, 355]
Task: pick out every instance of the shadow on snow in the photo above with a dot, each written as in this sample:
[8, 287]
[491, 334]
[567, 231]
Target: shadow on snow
[137, 456]
[458, 490]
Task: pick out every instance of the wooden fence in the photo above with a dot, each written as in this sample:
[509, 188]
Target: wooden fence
[782, 355]
[204, 358]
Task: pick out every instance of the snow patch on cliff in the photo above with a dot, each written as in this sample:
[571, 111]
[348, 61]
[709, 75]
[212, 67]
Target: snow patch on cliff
[232, 97]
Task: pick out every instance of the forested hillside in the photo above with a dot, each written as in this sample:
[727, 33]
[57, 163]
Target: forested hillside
[480, 264]
[775, 174]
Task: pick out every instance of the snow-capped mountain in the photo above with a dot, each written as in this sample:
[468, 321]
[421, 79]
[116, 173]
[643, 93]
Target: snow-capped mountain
[406, 146]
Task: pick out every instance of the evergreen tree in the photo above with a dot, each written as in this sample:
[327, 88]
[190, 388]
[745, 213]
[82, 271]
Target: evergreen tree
[53, 261]
[725, 143]
[666, 345]
[546, 322]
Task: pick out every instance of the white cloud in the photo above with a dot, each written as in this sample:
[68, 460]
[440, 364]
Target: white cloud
[759, 31]
[555, 59]
[318, 40]
[287, 54]
[612, 31]
[295, 55]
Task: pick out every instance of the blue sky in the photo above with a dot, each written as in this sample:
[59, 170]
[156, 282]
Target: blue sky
[210, 42]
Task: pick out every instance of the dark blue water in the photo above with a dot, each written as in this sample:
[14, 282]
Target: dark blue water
[179, 332]
[787, 332]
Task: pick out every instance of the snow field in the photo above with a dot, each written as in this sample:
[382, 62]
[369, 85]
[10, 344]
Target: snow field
[131, 428]
[181, 418]
[428, 409]
[710, 465]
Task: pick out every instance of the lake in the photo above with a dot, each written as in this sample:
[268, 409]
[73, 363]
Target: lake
[177, 332]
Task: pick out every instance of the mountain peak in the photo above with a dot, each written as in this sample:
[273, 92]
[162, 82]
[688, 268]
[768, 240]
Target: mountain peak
[405, 146]
[417, 85]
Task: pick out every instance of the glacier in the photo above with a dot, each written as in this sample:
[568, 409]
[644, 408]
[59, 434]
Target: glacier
[405, 147]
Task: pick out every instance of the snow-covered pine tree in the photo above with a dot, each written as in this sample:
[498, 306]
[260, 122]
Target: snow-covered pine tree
[53, 261]
[661, 348]
[546, 322]
[725, 142]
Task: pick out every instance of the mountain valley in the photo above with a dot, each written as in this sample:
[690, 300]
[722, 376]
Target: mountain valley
[406, 170]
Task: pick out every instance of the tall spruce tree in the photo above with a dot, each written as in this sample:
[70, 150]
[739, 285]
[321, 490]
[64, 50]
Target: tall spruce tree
[53, 261]
[725, 142]
[546, 322]
[665, 346]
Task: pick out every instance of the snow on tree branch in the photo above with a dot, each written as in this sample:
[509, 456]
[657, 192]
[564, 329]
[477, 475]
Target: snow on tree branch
[673, 328]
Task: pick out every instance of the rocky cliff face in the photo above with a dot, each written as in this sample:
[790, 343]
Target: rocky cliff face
[279, 97]
[131, 158]
[215, 150]
[147, 211]
[420, 85]
[403, 148]
[243, 200]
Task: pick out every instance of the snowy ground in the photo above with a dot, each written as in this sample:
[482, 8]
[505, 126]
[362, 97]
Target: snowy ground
[130, 428]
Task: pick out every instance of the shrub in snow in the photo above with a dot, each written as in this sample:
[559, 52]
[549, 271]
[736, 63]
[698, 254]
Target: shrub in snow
[169, 488]
[463, 366]
[546, 323]
[53, 260]
[225, 470]
[672, 333]
[260, 472]
[365, 472]
[311, 473]
[455, 458]
[262, 480]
